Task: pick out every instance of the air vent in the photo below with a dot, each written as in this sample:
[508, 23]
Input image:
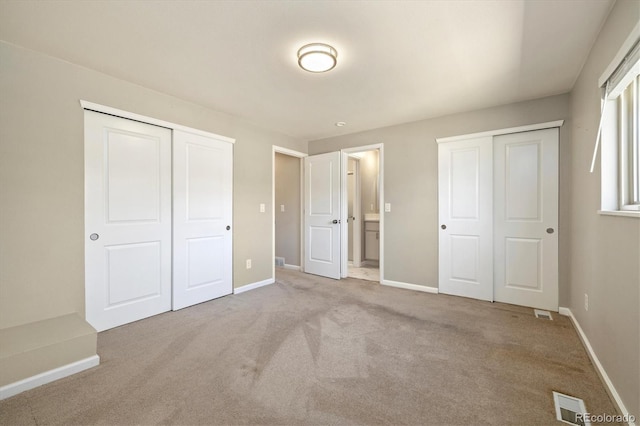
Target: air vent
[570, 410]
[280, 261]
[543, 314]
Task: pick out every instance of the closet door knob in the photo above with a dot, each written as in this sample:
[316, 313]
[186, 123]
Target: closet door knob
[228, 227]
[550, 230]
[443, 226]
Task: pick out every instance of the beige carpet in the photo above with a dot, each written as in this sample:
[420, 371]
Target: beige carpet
[309, 350]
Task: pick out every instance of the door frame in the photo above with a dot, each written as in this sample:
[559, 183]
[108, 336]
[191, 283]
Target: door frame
[344, 236]
[300, 156]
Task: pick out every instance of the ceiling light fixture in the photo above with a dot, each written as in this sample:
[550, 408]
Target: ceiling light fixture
[317, 57]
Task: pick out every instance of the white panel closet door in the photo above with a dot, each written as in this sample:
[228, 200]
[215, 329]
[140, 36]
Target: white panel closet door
[202, 215]
[465, 212]
[127, 220]
[526, 219]
[322, 214]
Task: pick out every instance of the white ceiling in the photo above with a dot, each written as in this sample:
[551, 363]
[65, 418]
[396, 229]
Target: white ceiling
[398, 61]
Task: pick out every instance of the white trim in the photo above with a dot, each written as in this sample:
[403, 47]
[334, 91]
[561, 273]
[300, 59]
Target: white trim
[343, 235]
[596, 362]
[292, 267]
[564, 311]
[622, 52]
[48, 376]
[300, 155]
[628, 213]
[150, 120]
[288, 151]
[498, 132]
[253, 286]
[408, 286]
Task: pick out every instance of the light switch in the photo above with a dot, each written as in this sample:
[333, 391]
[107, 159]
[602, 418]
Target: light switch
[281, 207]
[261, 207]
[387, 207]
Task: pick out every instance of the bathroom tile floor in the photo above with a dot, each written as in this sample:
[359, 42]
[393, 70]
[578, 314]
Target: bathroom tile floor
[365, 272]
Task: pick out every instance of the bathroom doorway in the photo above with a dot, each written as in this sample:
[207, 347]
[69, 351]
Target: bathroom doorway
[363, 214]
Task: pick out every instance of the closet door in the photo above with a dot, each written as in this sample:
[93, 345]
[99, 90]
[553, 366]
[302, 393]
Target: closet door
[127, 220]
[202, 214]
[465, 211]
[526, 218]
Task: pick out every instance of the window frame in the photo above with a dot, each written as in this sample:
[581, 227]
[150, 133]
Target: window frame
[620, 149]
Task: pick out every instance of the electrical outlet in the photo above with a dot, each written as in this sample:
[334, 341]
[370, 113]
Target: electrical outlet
[586, 302]
[262, 208]
[281, 207]
[248, 263]
[387, 207]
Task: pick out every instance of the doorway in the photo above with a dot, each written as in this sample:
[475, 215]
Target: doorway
[363, 215]
[287, 208]
[325, 213]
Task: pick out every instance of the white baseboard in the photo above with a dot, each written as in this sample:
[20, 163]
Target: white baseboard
[596, 362]
[294, 267]
[408, 286]
[253, 286]
[48, 376]
[565, 311]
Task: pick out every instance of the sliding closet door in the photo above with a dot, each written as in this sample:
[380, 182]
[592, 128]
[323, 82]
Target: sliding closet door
[466, 231]
[127, 220]
[202, 214]
[526, 218]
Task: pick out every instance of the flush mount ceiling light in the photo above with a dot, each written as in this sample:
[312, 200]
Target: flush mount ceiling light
[317, 57]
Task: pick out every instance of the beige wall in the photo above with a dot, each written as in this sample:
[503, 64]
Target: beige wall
[411, 181]
[369, 183]
[605, 250]
[287, 192]
[42, 179]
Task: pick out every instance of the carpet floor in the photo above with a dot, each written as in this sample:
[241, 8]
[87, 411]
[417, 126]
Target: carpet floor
[309, 350]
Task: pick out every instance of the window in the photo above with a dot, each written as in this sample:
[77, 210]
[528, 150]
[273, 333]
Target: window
[629, 148]
[619, 133]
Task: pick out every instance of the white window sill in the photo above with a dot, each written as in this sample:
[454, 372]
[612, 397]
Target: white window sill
[622, 213]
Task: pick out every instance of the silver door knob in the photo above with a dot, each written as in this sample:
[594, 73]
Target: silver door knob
[334, 221]
[94, 237]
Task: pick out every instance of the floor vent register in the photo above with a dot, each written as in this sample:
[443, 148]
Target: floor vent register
[570, 410]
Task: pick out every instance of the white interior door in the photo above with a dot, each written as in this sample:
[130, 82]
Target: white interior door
[526, 219]
[127, 220]
[322, 214]
[465, 211]
[202, 214]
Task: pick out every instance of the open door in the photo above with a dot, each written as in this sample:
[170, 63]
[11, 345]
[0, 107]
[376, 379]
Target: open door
[322, 214]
